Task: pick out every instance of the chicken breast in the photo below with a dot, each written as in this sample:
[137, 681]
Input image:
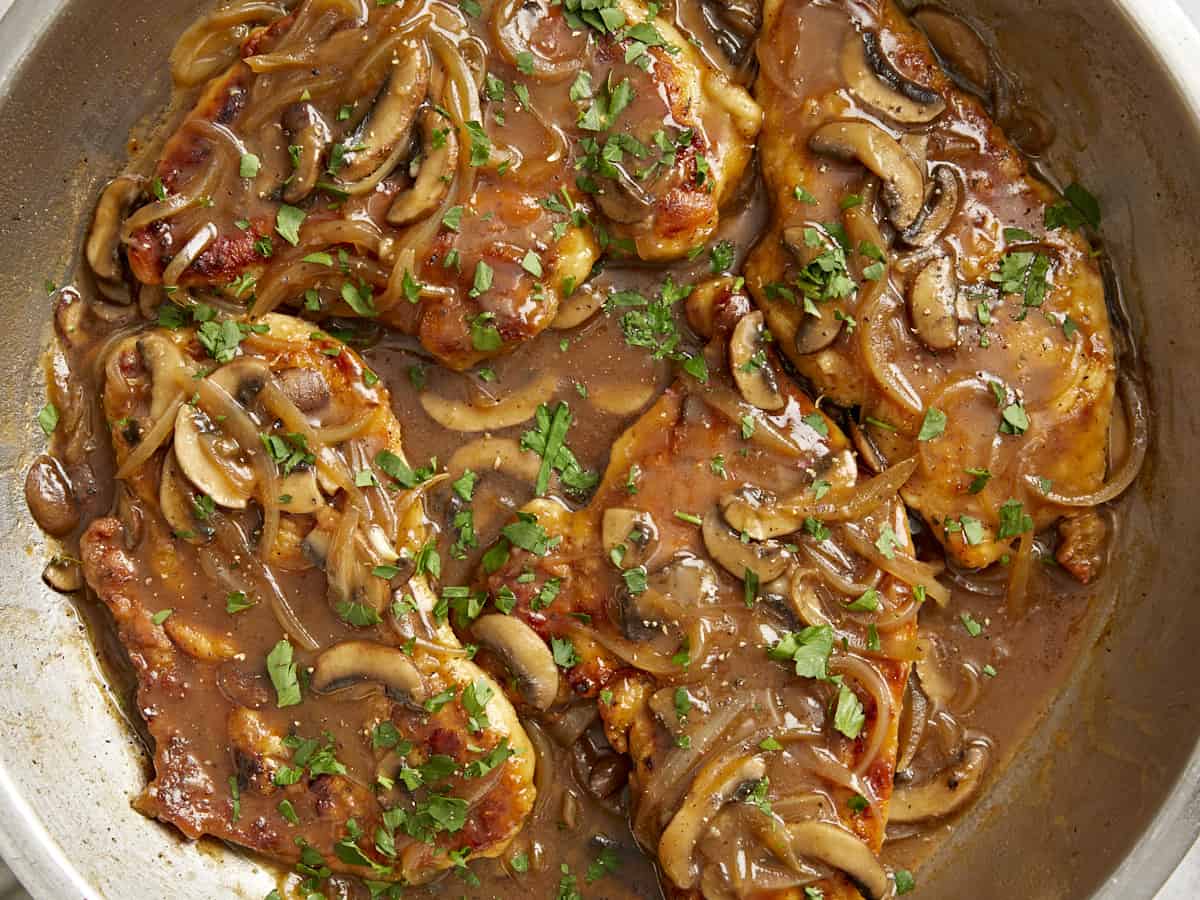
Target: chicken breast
[351, 165]
[755, 683]
[305, 695]
[916, 271]
[344, 166]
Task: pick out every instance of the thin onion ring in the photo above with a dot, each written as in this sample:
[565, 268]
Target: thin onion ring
[1134, 397]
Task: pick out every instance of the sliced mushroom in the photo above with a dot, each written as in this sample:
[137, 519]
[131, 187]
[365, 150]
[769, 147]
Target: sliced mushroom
[243, 378]
[103, 243]
[960, 50]
[307, 388]
[63, 575]
[517, 407]
[903, 185]
[211, 460]
[310, 134]
[50, 497]
[914, 715]
[938, 210]
[873, 79]
[167, 370]
[752, 370]
[837, 847]
[766, 559]
[352, 662]
[946, 793]
[181, 504]
[633, 529]
[299, 492]
[933, 304]
[689, 579]
[526, 655]
[315, 547]
[624, 200]
[440, 146]
[381, 137]
[715, 785]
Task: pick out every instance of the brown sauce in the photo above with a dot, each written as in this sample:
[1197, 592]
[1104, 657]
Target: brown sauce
[988, 668]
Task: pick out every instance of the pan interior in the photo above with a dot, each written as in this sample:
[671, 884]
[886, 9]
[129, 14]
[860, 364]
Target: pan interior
[1088, 786]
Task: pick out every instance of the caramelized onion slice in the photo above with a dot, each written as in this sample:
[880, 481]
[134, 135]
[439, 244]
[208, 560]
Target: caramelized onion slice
[514, 409]
[1133, 395]
[908, 569]
[763, 517]
[211, 43]
[715, 785]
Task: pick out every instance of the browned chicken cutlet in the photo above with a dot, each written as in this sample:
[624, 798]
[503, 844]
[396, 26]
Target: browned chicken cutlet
[346, 165]
[947, 302]
[757, 694]
[257, 464]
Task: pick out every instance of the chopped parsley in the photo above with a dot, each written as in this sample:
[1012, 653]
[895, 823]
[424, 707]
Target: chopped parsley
[288, 220]
[283, 673]
[933, 425]
[848, 717]
[1077, 208]
[47, 418]
[808, 649]
[565, 655]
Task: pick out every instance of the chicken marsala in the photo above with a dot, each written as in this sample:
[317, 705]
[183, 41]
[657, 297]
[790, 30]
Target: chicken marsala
[684, 468]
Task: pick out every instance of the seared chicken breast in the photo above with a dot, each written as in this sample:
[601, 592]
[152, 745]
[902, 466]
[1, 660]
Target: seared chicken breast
[915, 271]
[757, 694]
[257, 461]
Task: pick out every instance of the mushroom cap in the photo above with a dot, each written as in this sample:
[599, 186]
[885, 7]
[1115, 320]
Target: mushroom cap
[766, 559]
[873, 79]
[380, 138]
[104, 237]
[945, 793]
[715, 785]
[431, 185]
[837, 847]
[525, 653]
[933, 304]
[620, 525]
[351, 662]
[177, 501]
[938, 210]
[756, 379]
[903, 183]
[221, 476]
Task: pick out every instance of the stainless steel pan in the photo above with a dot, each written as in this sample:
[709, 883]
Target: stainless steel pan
[1103, 801]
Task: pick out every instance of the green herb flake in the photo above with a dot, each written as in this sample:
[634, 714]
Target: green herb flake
[849, 717]
[933, 425]
[974, 629]
[283, 673]
[47, 418]
[808, 649]
[236, 602]
[288, 220]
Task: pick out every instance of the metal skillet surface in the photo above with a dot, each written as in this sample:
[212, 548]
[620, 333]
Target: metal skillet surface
[74, 767]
